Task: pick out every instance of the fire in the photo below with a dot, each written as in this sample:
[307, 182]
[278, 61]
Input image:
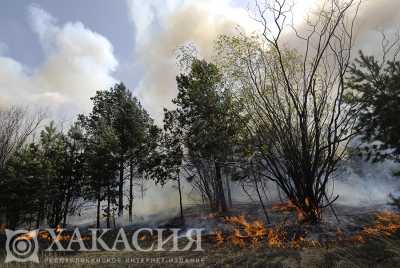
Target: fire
[45, 235]
[284, 207]
[27, 236]
[246, 231]
[276, 237]
[219, 238]
[253, 233]
[142, 238]
[291, 207]
[386, 224]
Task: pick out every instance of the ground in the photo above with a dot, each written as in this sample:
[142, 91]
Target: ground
[377, 248]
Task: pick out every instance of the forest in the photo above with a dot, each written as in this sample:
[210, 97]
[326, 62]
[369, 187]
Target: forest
[259, 116]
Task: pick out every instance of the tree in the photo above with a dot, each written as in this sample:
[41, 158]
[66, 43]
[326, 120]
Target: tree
[52, 156]
[20, 186]
[164, 162]
[299, 123]
[72, 169]
[374, 87]
[119, 118]
[208, 125]
[16, 125]
[101, 163]
[42, 179]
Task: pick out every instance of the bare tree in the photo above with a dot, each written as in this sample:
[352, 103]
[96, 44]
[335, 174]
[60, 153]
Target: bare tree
[16, 125]
[299, 122]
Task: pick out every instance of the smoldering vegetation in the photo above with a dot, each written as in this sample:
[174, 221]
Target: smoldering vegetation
[280, 141]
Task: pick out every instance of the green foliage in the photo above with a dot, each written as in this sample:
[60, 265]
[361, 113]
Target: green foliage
[45, 179]
[117, 131]
[206, 112]
[375, 88]
[203, 132]
[165, 160]
[42, 180]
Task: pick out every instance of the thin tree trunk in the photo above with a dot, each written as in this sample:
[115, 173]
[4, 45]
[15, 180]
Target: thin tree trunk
[98, 212]
[142, 189]
[40, 215]
[220, 189]
[131, 192]
[66, 210]
[30, 221]
[228, 191]
[67, 200]
[121, 190]
[38, 221]
[180, 200]
[261, 201]
[108, 207]
[279, 193]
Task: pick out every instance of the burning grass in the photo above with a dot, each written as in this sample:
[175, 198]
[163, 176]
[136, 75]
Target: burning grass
[255, 234]
[386, 224]
[370, 238]
[287, 235]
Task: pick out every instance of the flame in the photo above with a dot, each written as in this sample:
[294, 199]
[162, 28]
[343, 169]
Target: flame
[27, 236]
[307, 201]
[45, 235]
[290, 207]
[386, 224]
[284, 207]
[142, 237]
[276, 237]
[219, 238]
[246, 233]
[253, 233]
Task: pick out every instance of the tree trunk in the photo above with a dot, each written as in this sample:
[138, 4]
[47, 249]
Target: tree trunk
[228, 191]
[180, 200]
[131, 192]
[40, 214]
[142, 189]
[98, 212]
[261, 201]
[66, 210]
[67, 200]
[108, 207]
[221, 202]
[121, 190]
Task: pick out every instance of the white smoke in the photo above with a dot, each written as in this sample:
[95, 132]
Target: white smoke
[171, 24]
[362, 183]
[77, 62]
[162, 26]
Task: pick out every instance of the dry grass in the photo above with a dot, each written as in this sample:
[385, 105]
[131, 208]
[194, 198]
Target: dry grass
[379, 252]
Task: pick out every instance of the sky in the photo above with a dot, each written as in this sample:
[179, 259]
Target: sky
[56, 54]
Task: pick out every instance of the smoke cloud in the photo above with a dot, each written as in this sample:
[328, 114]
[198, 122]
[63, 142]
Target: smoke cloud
[172, 24]
[162, 26]
[77, 62]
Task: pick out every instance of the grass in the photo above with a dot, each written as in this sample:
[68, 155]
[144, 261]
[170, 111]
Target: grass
[379, 252]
